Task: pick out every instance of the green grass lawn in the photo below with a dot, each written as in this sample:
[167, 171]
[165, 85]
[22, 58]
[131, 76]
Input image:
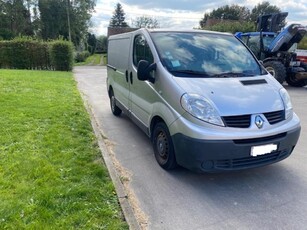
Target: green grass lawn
[52, 175]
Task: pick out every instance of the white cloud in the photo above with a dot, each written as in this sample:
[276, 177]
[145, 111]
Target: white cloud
[183, 13]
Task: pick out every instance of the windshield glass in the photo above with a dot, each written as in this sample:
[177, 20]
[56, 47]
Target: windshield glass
[204, 55]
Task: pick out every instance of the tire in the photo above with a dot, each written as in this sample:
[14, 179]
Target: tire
[114, 108]
[304, 65]
[277, 70]
[163, 147]
[292, 81]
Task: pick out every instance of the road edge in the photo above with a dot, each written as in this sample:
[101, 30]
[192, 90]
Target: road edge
[119, 187]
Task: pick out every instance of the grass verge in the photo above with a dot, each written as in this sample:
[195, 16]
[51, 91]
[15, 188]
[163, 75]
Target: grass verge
[52, 175]
[95, 59]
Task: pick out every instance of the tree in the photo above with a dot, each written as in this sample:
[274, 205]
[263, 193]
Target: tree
[146, 22]
[54, 15]
[203, 21]
[101, 45]
[118, 18]
[91, 41]
[15, 19]
[232, 27]
[262, 9]
[236, 13]
[233, 12]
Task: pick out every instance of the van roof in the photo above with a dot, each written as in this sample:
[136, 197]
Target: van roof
[168, 30]
[183, 31]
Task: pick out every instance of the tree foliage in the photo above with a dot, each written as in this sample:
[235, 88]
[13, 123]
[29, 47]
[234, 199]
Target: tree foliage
[232, 27]
[118, 18]
[101, 44]
[303, 44]
[246, 19]
[146, 22]
[15, 19]
[91, 41]
[262, 9]
[46, 19]
[58, 16]
[233, 12]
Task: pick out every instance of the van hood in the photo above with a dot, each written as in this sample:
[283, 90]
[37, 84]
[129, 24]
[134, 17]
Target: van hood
[236, 96]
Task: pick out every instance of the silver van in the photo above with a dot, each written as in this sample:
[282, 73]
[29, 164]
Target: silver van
[202, 97]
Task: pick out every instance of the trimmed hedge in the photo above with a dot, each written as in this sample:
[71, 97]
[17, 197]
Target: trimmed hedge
[61, 53]
[26, 53]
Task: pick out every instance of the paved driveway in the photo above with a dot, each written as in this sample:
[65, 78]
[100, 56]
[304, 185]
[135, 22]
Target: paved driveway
[272, 197]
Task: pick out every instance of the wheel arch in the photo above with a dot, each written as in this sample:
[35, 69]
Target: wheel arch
[110, 88]
[155, 120]
[271, 59]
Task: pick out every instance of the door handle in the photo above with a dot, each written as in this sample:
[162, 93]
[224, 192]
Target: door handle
[131, 78]
[126, 74]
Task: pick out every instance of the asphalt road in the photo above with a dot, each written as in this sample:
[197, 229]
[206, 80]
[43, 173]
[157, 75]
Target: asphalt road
[271, 197]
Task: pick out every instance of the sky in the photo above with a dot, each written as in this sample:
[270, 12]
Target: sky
[183, 14]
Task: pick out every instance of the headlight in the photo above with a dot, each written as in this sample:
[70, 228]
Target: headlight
[201, 108]
[287, 103]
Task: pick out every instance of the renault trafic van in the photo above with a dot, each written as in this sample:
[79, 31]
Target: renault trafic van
[202, 97]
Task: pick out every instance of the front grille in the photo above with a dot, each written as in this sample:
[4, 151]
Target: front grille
[247, 162]
[243, 121]
[275, 117]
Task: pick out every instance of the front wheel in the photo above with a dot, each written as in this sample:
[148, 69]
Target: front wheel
[292, 81]
[163, 147]
[277, 70]
[114, 108]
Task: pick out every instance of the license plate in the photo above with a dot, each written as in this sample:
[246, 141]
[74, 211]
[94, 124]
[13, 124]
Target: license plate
[263, 149]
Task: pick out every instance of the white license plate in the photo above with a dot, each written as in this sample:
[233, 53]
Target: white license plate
[263, 149]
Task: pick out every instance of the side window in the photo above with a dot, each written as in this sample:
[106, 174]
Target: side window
[141, 50]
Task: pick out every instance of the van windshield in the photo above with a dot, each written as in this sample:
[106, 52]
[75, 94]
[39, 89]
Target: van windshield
[188, 54]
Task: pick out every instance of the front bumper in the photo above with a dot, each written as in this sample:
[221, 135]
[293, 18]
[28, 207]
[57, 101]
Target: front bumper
[227, 155]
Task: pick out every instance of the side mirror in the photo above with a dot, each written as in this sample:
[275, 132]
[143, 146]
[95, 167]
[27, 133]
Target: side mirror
[144, 70]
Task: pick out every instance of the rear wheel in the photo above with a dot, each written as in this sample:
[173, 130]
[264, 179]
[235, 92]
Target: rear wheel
[277, 70]
[163, 147]
[114, 108]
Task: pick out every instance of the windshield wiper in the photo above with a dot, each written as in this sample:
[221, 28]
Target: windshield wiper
[189, 72]
[232, 74]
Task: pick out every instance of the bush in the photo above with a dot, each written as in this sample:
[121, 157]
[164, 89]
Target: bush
[303, 44]
[5, 54]
[82, 56]
[61, 54]
[26, 53]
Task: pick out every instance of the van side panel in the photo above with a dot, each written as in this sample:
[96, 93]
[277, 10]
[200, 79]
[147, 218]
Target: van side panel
[118, 60]
[149, 99]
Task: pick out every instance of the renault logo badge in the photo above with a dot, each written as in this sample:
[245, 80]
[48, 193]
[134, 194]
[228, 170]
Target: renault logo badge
[259, 122]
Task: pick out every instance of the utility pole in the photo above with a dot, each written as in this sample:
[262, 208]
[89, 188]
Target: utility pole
[68, 20]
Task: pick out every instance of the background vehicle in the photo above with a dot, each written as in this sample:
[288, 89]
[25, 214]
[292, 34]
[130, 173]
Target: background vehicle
[301, 55]
[277, 49]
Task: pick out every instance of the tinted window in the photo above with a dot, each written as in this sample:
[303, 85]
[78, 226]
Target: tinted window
[141, 50]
